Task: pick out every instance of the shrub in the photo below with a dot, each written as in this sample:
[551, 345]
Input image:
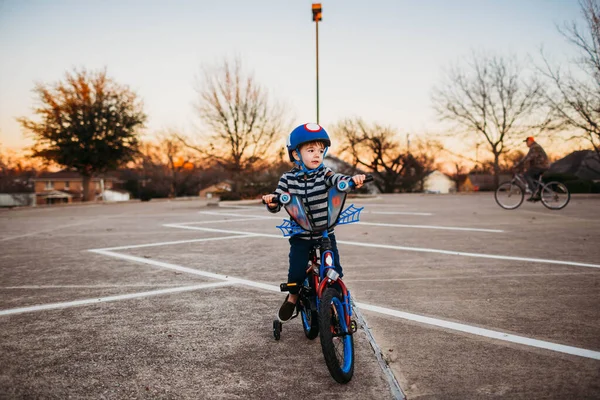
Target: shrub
[225, 195]
[579, 186]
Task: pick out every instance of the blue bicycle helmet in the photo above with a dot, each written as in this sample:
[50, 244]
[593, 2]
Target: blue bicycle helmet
[303, 134]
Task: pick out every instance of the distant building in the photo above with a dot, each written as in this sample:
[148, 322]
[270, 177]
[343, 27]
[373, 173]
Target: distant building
[438, 182]
[480, 182]
[67, 187]
[584, 164]
[214, 190]
[343, 167]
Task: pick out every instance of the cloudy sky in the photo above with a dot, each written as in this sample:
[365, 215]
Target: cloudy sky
[378, 59]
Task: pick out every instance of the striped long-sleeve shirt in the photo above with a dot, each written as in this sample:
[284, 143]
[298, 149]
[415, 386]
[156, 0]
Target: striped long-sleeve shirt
[313, 189]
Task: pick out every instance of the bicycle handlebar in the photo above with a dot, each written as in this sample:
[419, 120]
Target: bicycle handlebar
[352, 185]
[347, 185]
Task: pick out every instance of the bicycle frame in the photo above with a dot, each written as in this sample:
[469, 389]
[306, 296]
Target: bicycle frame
[327, 263]
[520, 178]
[300, 222]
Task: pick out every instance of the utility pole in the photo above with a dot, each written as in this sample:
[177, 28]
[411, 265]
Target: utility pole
[316, 12]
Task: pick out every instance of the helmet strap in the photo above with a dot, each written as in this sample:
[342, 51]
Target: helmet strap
[302, 167]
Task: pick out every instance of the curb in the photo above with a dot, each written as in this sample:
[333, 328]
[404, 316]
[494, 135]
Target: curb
[397, 392]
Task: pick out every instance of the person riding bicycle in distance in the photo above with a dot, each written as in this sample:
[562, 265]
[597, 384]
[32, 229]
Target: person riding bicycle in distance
[309, 179]
[536, 161]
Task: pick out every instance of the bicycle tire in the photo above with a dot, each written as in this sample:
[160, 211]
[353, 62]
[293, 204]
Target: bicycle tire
[555, 195]
[509, 195]
[338, 349]
[310, 318]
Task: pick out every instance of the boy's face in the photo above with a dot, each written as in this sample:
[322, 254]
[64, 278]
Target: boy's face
[312, 154]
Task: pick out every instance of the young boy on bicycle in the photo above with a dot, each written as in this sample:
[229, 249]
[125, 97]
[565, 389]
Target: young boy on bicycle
[310, 180]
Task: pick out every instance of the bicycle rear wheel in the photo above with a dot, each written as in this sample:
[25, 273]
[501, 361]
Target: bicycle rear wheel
[555, 195]
[509, 195]
[310, 317]
[336, 338]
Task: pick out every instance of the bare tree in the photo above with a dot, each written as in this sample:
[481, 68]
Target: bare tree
[377, 149]
[180, 163]
[167, 167]
[491, 98]
[244, 124]
[575, 95]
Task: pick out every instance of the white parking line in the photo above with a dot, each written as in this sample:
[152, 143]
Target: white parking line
[448, 228]
[397, 213]
[137, 246]
[451, 228]
[434, 278]
[53, 306]
[88, 286]
[218, 221]
[382, 310]
[242, 208]
[235, 215]
[406, 248]
[180, 268]
[507, 337]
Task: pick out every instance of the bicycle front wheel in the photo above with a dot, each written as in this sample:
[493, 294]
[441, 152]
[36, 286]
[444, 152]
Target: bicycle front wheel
[336, 338]
[509, 195]
[555, 195]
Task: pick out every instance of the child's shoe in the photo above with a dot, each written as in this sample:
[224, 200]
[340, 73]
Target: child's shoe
[286, 311]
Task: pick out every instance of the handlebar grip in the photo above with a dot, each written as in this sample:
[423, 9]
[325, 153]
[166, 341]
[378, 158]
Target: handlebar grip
[347, 185]
[281, 199]
[275, 200]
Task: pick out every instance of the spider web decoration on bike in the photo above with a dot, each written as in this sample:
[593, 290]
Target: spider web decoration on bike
[350, 215]
[289, 228]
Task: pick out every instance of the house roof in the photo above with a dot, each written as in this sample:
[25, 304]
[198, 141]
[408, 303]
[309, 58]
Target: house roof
[66, 175]
[338, 164]
[584, 164]
[437, 172]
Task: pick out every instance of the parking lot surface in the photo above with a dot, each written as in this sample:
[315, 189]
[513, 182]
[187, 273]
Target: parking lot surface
[175, 299]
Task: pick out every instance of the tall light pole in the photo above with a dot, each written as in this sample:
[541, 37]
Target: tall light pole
[316, 12]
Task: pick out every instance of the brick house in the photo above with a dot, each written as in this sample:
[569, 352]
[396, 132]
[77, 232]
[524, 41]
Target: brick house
[67, 187]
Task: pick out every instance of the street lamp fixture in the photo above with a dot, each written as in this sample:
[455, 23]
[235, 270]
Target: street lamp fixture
[316, 17]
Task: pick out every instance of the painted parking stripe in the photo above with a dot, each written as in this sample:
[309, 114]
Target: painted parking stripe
[67, 304]
[450, 228]
[138, 246]
[234, 214]
[507, 337]
[382, 310]
[398, 213]
[406, 248]
[449, 278]
[218, 221]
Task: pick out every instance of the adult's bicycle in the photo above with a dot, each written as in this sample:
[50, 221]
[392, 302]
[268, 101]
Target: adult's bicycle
[554, 195]
[324, 301]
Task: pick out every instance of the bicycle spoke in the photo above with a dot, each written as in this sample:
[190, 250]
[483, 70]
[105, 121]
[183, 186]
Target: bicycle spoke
[509, 195]
[555, 195]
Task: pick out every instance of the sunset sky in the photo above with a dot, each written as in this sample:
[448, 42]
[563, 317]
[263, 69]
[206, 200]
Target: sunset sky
[378, 59]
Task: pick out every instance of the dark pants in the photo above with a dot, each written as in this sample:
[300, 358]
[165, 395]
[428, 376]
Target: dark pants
[531, 176]
[299, 251]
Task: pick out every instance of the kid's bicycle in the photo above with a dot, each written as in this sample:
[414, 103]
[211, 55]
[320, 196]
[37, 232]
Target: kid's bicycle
[554, 195]
[324, 301]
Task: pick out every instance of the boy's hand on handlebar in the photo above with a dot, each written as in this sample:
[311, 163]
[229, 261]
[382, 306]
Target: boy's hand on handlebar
[358, 180]
[268, 200]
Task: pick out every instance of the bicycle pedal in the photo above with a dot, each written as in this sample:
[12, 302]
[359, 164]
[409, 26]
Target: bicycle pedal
[285, 287]
[353, 326]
